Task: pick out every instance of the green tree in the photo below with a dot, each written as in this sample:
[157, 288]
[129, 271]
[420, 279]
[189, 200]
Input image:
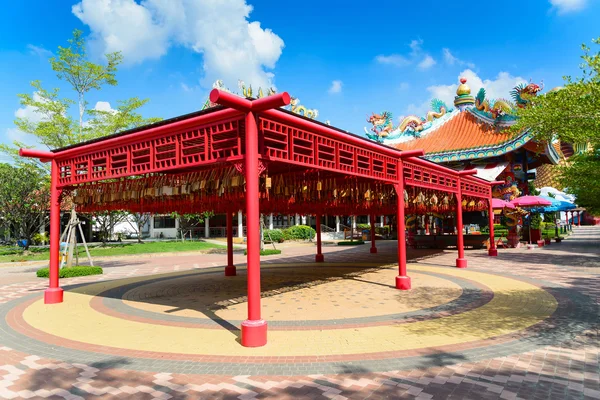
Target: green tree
[55, 126]
[187, 222]
[72, 66]
[572, 115]
[24, 199]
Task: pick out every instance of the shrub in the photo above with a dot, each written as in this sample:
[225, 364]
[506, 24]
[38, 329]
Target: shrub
[276, 235]
[536, 221]
[363, 226]
[382, 230]
[350, 243]
[299, 232]
[266, 252]
[70, 272]
[40, 238]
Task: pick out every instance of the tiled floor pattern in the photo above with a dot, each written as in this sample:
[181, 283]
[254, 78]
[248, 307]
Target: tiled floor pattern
[565, 367]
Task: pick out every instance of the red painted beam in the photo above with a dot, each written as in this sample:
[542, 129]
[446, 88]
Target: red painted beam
[430, 164]
[467, 172]
[269, 102]
[411, 153]
[44, 156]
[230, 100]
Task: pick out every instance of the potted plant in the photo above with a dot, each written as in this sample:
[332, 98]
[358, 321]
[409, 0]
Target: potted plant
[547, 240]
[536, 223]
[558, 239]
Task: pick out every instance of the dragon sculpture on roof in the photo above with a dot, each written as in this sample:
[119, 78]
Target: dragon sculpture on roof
[502, 109]
[523, 94]
[383, 126]
[497, 108]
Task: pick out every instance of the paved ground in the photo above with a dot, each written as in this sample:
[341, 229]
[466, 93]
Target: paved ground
[522, 325]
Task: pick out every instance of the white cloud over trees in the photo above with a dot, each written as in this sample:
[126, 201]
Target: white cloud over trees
[231, 46]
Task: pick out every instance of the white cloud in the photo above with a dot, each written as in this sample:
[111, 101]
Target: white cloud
[104, 106]
[393, 59]
[185, 87]
[416, 55]
[404, 86]
[451, 59]
[39, 51]
[30, 112]
[336, 87]
[499, 87]
[566, 6]
[415, 46]
[448, 57]
[427, 62]
[232, 47]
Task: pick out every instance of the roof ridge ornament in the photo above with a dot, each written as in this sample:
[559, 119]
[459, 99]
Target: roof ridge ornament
[248, 92]
[463, 97]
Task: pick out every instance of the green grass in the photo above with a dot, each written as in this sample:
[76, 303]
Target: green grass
[112, 249]
[71, 272]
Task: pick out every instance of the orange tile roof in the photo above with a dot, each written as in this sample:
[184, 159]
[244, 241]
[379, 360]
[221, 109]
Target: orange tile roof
[461, 132]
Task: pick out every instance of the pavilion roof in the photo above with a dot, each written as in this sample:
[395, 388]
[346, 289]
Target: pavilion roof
[465, 136]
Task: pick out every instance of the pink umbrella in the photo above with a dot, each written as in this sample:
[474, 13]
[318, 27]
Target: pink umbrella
[530, 201]
[500, 204]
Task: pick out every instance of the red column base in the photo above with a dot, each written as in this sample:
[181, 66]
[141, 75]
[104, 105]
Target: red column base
[230, 270]
[373, 250]
[403, 282]
[319, 258]
[53, 295]
[493, 252]
[461, 263]
[254, 333]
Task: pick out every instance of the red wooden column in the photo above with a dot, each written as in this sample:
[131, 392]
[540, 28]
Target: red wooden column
[254, 329]
[579, 217]
[230, 268]
[493, 252]
[54, 293]
[319, 256]
[373, 247]
[402, 280]
[461, 261]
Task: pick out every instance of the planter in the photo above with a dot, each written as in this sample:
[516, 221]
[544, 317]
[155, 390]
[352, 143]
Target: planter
[540, 243]
[557, 240]
[547, 241]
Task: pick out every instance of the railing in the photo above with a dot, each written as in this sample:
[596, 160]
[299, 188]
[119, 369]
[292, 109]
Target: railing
[327, 229]
[352, 233]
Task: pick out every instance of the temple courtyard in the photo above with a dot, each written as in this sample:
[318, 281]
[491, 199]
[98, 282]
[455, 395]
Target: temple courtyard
[520, 325]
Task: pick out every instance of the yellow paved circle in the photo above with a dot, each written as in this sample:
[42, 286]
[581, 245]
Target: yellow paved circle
[516, 305]
[309, 294]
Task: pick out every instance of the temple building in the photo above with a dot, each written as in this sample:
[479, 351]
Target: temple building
[474, 134]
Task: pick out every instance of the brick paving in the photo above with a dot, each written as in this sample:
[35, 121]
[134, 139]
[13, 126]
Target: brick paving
[555, 359]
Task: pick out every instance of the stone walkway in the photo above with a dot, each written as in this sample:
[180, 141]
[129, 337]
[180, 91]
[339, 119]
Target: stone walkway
[521, 325]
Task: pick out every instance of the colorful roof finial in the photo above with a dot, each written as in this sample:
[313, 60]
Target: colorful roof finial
[463, 97]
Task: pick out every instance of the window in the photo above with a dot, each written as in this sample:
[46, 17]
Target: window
[164, 222]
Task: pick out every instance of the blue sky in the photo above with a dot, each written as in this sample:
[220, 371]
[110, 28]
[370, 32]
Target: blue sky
[345, 60]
